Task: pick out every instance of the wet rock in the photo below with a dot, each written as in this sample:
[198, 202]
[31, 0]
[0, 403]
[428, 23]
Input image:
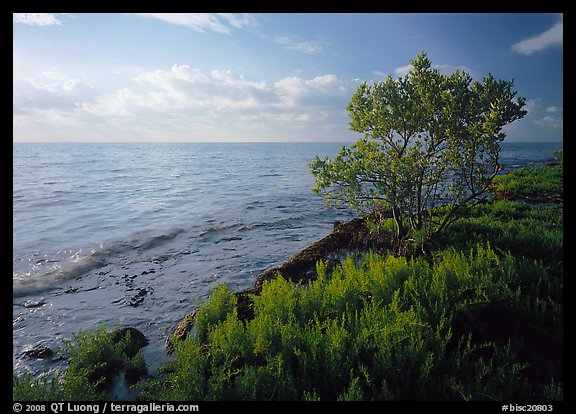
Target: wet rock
[137, 299]
[40, 352]
[137, 339]
[345, 236]
[181, 331]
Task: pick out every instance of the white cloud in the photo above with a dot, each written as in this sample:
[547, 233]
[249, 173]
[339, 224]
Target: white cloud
[36, 19]
[202, 22]
[50, 91]
[549, 121]
[551, 37]
[326, 90]
[183, 86]
[289, 42]
[532, 105]
[225, 22]
[240, 20]
[186, 87]
[182, 102]
[379, 75]
[550, 116]
[403, 70]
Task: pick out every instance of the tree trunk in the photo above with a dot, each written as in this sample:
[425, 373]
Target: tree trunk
[400, 230]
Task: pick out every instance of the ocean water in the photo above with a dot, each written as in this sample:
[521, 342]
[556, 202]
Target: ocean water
[136, 234]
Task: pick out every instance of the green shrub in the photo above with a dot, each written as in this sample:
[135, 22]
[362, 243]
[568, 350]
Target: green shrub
[524, 231]
[95, 361]
[559, 155]
[380, 327]
[221, 303]
[536, 182]
[27, 388]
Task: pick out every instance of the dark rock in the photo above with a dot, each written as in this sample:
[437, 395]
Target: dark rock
[136, 342]
[181, 331]
[351, 235]
[244, 305]
[138, 298]
[39, 352]
[135, 301]
[244, 310]
[133, 375]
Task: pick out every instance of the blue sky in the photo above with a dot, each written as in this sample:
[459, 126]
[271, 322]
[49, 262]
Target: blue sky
[259, 77]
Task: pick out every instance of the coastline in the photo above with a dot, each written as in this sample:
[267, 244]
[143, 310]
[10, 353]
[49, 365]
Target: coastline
[344, 238]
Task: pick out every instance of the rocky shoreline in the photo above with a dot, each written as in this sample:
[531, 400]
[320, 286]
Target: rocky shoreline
[345, 238]
[301, 267]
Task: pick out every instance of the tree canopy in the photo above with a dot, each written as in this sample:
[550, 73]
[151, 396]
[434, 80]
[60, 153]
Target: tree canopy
[429, 139]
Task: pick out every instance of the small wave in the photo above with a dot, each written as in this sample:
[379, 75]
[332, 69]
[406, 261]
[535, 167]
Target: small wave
[156, 241]
[79, 264]
[253, 226]
[270, 175]
[77, 267]
[219, 228]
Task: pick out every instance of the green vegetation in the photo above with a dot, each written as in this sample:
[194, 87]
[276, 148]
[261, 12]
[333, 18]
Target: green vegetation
[559, 155]
[483, 321]
[479, 318]
[429, 139]
[96, 358]
[538, 183]
[473, 326]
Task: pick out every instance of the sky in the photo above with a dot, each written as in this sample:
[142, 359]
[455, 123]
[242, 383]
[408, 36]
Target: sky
[260, 77]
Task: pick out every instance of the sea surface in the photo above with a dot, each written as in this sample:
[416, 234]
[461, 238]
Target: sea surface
[136, 234]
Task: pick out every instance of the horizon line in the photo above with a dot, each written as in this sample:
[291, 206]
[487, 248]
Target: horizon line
[233, 142]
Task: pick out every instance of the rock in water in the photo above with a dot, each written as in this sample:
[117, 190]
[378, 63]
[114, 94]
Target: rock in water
[137, 339]
[39, 352]
[181, 331]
